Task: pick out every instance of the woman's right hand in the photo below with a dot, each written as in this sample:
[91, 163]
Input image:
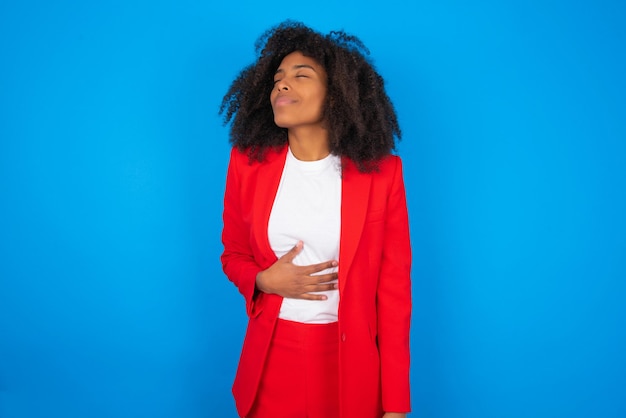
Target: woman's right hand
[297, 282]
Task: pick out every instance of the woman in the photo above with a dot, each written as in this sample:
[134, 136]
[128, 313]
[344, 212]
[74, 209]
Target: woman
[316, 233]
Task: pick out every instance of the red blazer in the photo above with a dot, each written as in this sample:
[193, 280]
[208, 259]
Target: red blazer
[374, 280]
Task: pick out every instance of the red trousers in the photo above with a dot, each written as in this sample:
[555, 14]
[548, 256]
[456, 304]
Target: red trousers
[301, 374]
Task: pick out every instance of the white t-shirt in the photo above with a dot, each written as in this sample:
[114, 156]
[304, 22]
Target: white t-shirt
[307, 208]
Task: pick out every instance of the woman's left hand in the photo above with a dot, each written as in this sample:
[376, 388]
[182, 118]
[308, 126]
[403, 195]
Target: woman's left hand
[394, 415]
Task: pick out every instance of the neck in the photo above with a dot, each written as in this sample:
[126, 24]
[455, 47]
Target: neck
[309, 144]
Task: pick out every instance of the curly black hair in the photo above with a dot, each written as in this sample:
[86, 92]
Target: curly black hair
[361, 120]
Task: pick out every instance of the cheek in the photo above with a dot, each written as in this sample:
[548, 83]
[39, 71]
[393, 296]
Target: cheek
[319, 100]
[322, 99]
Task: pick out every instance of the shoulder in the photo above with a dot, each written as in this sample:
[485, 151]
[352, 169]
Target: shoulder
[389, 174]
[390, 164]
[387, 167]
[242, 157]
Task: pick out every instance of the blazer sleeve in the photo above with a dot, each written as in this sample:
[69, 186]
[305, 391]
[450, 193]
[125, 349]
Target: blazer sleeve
[237, 259]
[394, 300]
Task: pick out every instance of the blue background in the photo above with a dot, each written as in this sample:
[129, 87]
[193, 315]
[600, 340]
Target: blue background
[112, 169]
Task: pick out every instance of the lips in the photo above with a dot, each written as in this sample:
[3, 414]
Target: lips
[283, 101]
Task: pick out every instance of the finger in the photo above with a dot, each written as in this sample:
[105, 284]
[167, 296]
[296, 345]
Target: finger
[325, 287]
[291, 254]
[314, 268]
[324, 278]
[312, 296]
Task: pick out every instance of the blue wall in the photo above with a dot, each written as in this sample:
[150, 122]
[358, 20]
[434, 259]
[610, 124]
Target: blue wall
[112, 164]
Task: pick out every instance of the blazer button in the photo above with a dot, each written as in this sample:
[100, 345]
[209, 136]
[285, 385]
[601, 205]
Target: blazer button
[343, 336]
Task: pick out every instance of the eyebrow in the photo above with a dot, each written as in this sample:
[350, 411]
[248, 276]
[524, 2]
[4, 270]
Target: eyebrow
[296, 67]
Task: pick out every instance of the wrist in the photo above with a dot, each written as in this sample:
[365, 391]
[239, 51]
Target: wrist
[259, 281]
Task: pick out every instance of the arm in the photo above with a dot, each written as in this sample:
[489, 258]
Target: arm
[394, 300]
[237, 259]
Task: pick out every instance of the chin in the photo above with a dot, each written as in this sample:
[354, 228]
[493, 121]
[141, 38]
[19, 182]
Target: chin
[282, 123]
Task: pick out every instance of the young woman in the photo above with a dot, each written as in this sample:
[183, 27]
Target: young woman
[316, 234]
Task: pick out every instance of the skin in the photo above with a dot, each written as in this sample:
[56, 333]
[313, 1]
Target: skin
[297, 99]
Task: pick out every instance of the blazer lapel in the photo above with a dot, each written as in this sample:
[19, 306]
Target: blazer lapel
[267, 181]
[355, 188]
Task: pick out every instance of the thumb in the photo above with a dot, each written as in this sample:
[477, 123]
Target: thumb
[291, 254]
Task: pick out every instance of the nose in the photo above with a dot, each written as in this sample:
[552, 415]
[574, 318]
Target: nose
[281, 85]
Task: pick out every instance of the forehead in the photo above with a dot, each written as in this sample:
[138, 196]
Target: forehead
[298, 59]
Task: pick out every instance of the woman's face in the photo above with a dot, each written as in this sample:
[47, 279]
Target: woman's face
[299, 92]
